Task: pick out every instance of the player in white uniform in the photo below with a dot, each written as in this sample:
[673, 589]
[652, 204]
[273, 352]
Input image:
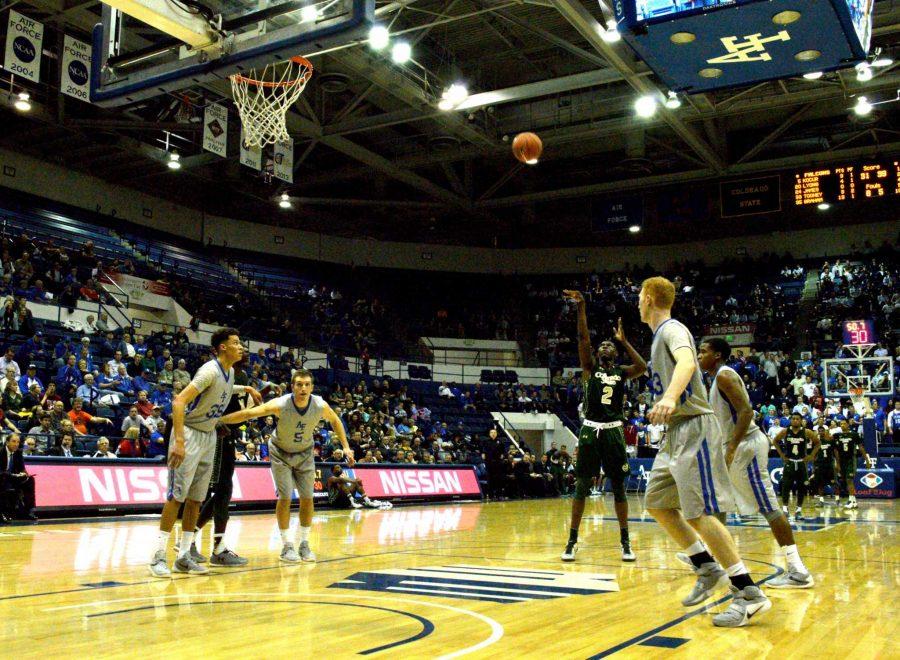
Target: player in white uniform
[291, 454]
[689, 480]
[747, 456]
[192, 448]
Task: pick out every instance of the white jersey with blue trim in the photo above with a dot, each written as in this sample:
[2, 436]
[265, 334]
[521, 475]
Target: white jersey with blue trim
[725, 412]
[671, 335]
[297, 426]
[215, 387]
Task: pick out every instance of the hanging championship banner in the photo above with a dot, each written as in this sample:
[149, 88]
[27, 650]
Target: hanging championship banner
[24, 37]
[215, 129]
[75, 72]
[250, 156]
[284, 161]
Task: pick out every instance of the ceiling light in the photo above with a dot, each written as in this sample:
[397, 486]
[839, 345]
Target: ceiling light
[824, 206]
[634, 229]
[813, 75]
[531, 161]
[401, 52]
[22, 102]
[456, 93]
[309, 14]
[174, 161]
[284, 201]
[862, 107]
[863, 72]
[882, 61]
[379, 37]
[611, 34]
[446, 105]
[672, 101]
[645, 106]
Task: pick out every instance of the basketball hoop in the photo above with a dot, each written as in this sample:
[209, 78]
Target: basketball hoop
[858, 399]
[263, 99]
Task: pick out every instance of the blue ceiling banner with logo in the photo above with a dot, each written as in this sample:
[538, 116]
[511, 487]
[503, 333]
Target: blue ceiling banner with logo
[683, 205]
[701, 45]
[620, 213]
[24, 37]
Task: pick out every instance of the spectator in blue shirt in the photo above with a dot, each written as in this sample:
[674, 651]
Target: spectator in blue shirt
[271, 353]
[88, 391]
[878, 415]
[29, 377]
[258, 358]
[63, 348]
[126, 385]
[33, 349]
[156, 448]
[163, 397]
[139, 345]
[68, 375]
[141, 382]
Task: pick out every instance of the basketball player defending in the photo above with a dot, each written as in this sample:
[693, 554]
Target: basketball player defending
[747, 457]
[689, 480]
[601, 442]
[795, 438]
[291, 454]
[195, 413]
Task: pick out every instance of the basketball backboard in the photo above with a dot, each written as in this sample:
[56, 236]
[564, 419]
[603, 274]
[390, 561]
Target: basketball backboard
[144, 48]
[874, 374]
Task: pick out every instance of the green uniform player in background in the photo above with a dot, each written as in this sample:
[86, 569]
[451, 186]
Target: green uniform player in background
[601, 441]
[848, 444]
[824, 470]
[791, 445]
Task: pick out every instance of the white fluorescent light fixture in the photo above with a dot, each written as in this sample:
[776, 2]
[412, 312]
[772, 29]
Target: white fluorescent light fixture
[531, 161]
[174, 161]
[813, 75]
[379, 37]
[634, 229]
[645, 106]
[824, 206]
[863, 72]
[672, 101]
[22, 102]
[284, 201]
[611, 34]
[401, 52]
[862, 107]
[309, 14]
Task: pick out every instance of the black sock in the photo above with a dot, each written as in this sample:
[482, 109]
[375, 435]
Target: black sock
[573, 536]
[741, 581]
[623, 535]
[702, 557]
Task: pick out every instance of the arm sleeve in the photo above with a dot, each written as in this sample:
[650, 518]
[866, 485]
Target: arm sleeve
[204, 377]
[676, 336]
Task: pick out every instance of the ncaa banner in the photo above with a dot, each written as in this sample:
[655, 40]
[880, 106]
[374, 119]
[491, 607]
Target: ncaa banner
[75, 71]
[250, 156]
[24, 37]
[284, 161]
[140, 292]
[215, 129]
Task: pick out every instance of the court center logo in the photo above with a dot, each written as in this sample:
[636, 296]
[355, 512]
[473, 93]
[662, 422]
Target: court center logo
[871, 480]
[490, 583]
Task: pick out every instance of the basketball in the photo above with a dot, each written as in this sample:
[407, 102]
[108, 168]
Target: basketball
[527, 148]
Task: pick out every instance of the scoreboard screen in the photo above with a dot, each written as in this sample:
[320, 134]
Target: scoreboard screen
[859, 333]
[847, 182]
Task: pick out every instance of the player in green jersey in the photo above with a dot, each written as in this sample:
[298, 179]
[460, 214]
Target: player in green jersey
[824, 471]
[794, 475]
[601, 441]
[848, 444]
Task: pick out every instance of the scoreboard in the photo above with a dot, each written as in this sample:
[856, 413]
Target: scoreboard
[847, 182]
[859, 333]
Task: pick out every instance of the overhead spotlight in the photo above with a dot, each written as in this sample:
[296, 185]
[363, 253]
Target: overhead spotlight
[401, 52]
[645, 106]
[379, 37]
[453, 96]
[863, 72]
[22, 102]
[824, 206]
[882, 61]
[672, 101]
[446, 105]
[813, 75]
[309, 14]
[611, 34]
[284, 201]
[862, 107]
[634, 229]
[174, 161]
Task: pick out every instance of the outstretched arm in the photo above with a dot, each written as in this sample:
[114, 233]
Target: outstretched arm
[238, 416]
[585, 352]
[638, 366]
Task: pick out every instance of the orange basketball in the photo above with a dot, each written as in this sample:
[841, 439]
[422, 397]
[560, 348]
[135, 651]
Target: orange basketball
[527, 148]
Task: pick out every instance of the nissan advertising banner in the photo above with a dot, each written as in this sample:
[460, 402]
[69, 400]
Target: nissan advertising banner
[123, 483]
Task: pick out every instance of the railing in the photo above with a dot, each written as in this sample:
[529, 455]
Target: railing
[124, 321]
[506, 426]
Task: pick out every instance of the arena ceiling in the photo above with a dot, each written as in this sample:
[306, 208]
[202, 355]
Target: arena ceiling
[375, 157]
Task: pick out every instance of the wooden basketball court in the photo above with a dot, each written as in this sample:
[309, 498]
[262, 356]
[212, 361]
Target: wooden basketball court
[482, 580]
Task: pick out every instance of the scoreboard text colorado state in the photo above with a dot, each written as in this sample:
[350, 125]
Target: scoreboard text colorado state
[847, 182]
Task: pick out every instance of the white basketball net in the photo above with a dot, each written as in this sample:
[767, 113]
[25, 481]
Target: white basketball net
[263, 99]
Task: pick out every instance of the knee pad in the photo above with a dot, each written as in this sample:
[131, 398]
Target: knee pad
[618, 489]
[582, 488]
[772, 515]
